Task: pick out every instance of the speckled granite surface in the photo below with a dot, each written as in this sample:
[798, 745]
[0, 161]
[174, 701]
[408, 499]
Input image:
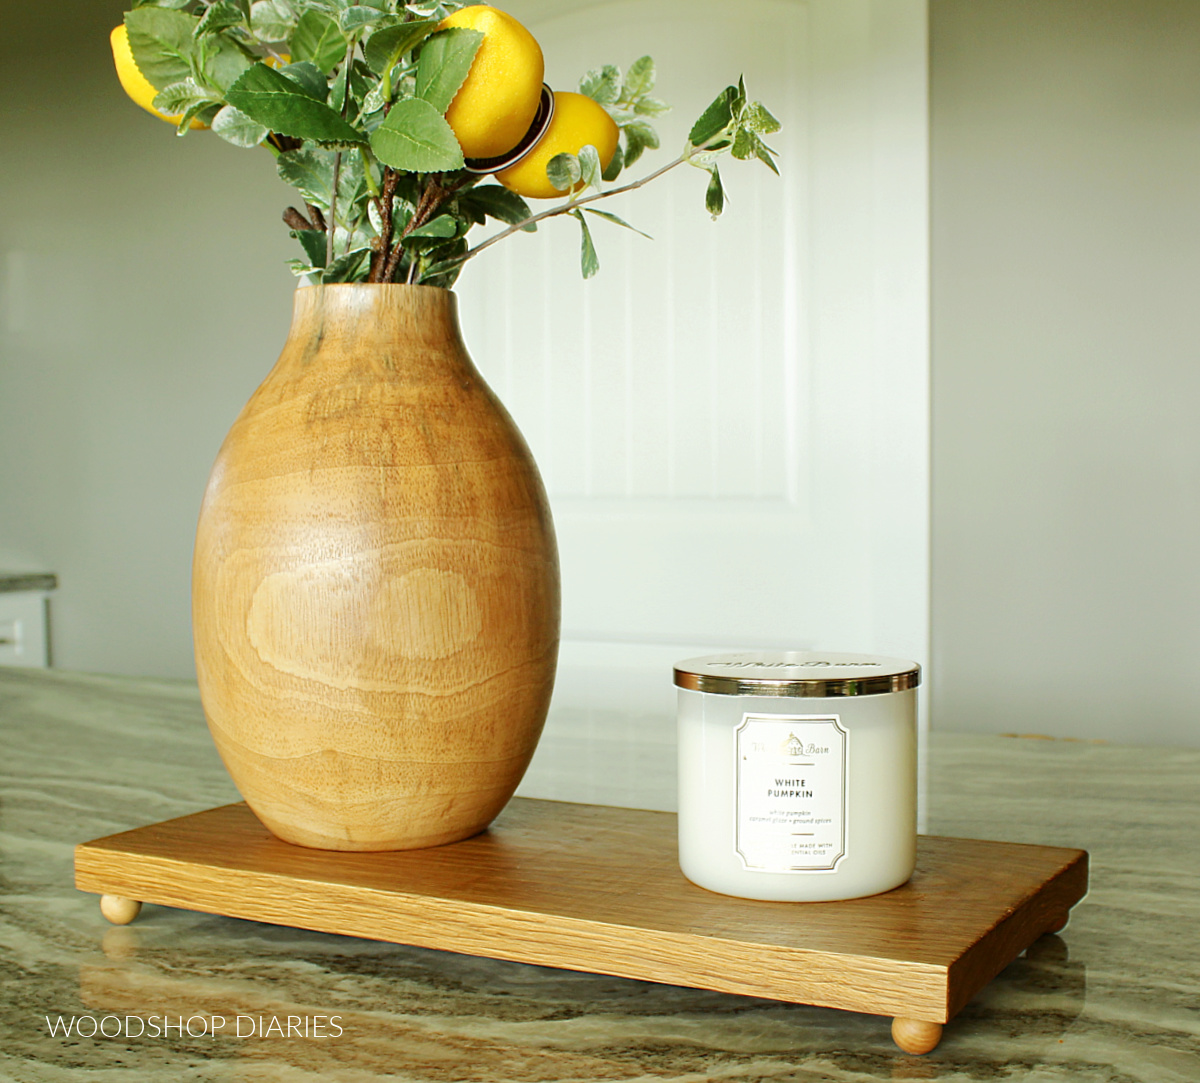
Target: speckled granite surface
[1114, 998]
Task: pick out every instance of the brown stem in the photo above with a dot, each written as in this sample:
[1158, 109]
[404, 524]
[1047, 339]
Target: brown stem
[393, 261]
[432, 197]
[317, 218]
[294, 219]
[384, 204]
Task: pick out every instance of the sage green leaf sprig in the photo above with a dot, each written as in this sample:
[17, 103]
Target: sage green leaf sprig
[350, 97]
[730, 125]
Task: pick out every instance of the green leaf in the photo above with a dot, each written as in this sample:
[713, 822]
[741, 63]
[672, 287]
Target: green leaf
[224, 63]
[747, 145]
[564, 171]
[387, 45]
[433, 234]
[651, 107]
[767, 156]
[317, 38]
[314, 243]
[308, 77]
[162, 44]
[220, 15]
[589, 262]
[714, 196]
[272, 20]
[758, 120]
[310, 171]
[401, 213]
[446, 269]
[178, 98]
[235, 127]
[415, 137]
[443, 226]
[160, 3]
[743, 144]
[337, 91]
[446, 58]
[274, 100]
[355, 17]
[496, 201]
[715, 119]
[346, 268]
[589, 165]
[602, 86]
[615, 165]
[618, 221]
[202, 111]
[633, 146]
[645, 132]
[639, 79]
[374, 101]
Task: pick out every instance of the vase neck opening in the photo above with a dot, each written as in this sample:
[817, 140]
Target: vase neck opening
[367, 313]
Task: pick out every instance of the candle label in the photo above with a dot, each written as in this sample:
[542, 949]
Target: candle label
[791, 792]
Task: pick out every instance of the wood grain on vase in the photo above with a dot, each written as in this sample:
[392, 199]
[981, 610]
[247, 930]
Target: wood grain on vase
[375, 582]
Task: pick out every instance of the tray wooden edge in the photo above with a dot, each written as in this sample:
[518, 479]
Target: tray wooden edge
[853, 983]
[925, 991]
[1045, 911]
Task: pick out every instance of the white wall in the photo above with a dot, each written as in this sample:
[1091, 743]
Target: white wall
[143, 294]
[1066, 339]
[142, 297]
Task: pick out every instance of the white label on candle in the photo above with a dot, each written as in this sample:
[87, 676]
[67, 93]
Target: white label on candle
[791, 792]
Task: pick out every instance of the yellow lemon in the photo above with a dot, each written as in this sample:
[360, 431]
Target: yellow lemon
[499, 97]
[577, 122]
[136, 85]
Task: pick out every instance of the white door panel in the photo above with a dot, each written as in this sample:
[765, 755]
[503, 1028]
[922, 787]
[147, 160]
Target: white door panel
[731, 419]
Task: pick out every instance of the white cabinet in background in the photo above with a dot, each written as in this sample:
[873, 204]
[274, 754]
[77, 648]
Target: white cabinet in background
[24, 622]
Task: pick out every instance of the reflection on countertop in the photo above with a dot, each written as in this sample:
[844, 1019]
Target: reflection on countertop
[1115, 997]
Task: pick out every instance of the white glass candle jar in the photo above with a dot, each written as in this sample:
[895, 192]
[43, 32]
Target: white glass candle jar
[797, 774]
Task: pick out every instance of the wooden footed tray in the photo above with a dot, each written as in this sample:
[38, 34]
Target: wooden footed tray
[598, 889]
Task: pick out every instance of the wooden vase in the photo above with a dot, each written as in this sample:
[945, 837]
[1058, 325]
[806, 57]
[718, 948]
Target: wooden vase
[375, 585]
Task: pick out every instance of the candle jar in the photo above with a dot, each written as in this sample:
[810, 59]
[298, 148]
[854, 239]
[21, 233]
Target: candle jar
[797, 774]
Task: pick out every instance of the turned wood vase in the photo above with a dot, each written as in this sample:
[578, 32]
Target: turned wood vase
[375, 586]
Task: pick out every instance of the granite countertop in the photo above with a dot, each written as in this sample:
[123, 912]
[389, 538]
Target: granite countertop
[11, 582]
[1114, 998]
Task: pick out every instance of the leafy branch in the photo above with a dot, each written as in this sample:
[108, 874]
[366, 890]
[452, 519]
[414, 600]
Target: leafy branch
[728, 124]
[350, 97]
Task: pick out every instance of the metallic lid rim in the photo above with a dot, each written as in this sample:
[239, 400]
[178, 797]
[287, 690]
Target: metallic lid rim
[814, 687]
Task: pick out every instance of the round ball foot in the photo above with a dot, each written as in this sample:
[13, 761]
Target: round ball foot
[119, 910]
[916, 1035]
[1058, 924]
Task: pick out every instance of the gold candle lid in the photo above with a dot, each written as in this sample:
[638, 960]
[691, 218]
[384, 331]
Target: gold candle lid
[796, 673]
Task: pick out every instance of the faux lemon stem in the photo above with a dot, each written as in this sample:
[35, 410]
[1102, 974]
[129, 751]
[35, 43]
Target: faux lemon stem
[572, 204]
